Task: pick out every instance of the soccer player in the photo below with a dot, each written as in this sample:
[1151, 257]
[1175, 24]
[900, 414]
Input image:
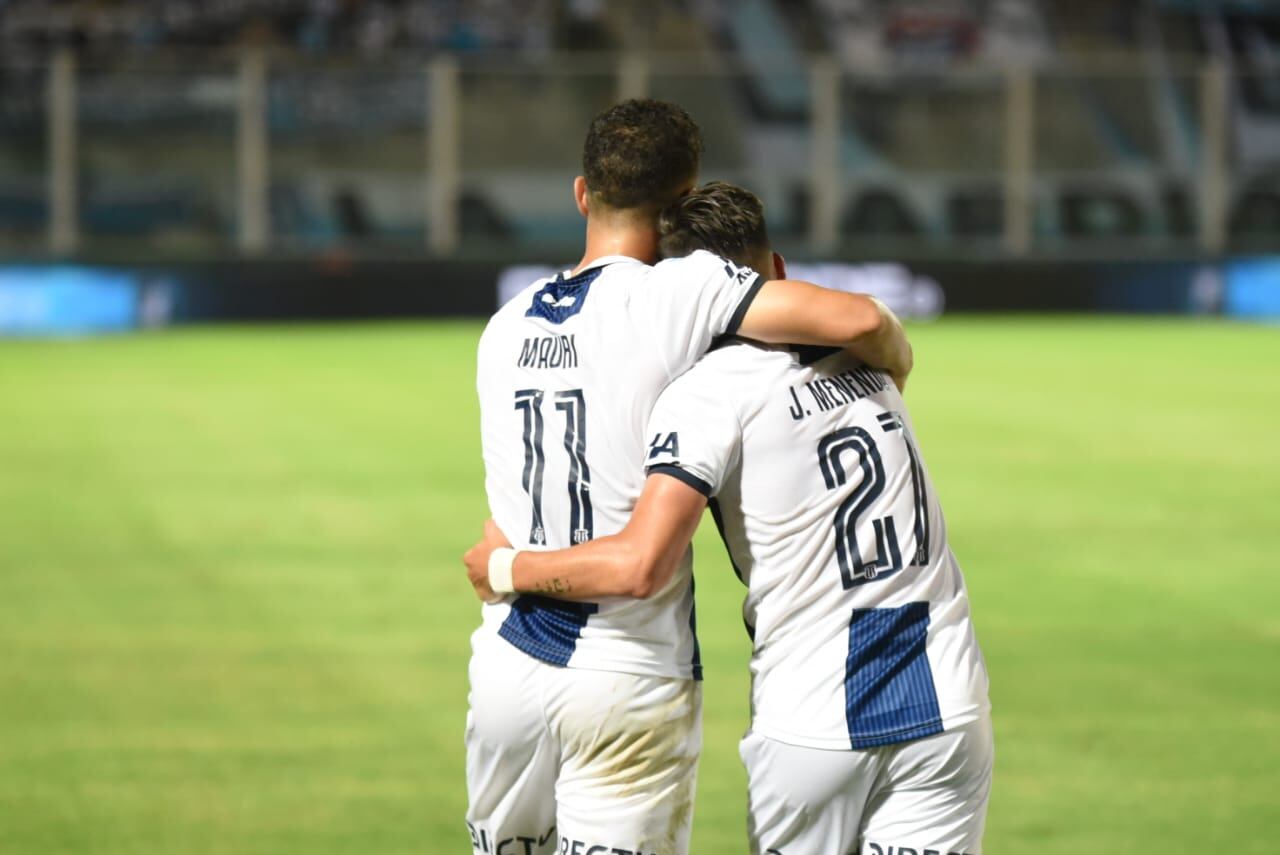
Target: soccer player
[870, 722]
[584, 723]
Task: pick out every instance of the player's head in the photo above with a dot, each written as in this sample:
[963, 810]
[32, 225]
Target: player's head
[721, 218]
[638, 157]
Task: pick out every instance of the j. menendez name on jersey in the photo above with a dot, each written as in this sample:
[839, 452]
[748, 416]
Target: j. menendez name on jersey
[568, 373]
[855, 603]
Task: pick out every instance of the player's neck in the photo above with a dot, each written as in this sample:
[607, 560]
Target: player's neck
[629, 239]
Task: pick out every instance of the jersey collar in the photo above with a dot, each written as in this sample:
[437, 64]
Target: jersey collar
[599, 262]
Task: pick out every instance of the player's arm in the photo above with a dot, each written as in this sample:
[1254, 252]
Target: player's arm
[788, 311]
[636, 562]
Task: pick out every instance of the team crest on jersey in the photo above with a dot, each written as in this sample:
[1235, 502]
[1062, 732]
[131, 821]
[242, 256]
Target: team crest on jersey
[561, 299]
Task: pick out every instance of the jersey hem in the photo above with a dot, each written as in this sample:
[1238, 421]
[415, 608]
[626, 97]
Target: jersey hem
[843, 742]
[690, 672]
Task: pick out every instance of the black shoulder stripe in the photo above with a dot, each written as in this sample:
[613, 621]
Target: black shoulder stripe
[745, 303]
[681, 475]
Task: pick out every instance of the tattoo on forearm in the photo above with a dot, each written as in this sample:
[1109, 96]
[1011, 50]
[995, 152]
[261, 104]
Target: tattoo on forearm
[553, 586]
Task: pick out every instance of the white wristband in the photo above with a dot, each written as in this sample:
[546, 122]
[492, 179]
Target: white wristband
[500, 563]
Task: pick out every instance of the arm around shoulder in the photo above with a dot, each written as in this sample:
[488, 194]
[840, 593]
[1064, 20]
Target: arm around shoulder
[886, 346]
[788, 311]
[637, 562]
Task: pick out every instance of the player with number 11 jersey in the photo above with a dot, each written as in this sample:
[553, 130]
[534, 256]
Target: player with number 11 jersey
[568, 373]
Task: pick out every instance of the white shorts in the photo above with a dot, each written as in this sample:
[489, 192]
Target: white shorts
[566, 760]
[926, 797]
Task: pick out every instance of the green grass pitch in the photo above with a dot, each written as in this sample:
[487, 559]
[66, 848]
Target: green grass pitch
[233, 617]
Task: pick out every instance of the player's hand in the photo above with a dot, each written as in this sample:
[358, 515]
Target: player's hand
[477, 561]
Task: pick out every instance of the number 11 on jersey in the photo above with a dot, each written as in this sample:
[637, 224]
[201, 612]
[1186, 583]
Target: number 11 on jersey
[573, 405]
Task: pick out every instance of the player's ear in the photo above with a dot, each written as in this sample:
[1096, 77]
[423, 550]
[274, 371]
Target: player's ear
[779, 266]
[580, 194]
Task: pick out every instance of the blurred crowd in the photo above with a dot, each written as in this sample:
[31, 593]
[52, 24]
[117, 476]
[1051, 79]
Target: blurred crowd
[858, 29]
[370, 26]
[926, 144]
[858, 32]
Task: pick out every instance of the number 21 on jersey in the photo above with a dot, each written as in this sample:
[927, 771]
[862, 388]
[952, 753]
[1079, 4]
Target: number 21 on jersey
[887, 555]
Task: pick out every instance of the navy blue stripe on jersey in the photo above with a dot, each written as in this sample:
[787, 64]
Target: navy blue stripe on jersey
[546, 629]
[888, 684]
[682, 475]
[561, 299]
[739, 313]
[693, 630]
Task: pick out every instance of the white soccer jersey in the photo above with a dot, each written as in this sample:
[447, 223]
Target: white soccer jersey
[568, 373]
[855, 603]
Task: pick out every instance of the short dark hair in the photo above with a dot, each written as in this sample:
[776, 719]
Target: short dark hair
[720, 217]
[640, 154]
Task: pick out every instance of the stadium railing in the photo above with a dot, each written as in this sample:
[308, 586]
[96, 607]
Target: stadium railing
[268, 155]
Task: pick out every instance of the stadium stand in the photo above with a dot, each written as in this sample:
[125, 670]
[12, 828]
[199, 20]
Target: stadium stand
[1117, 151]
[312, 25]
